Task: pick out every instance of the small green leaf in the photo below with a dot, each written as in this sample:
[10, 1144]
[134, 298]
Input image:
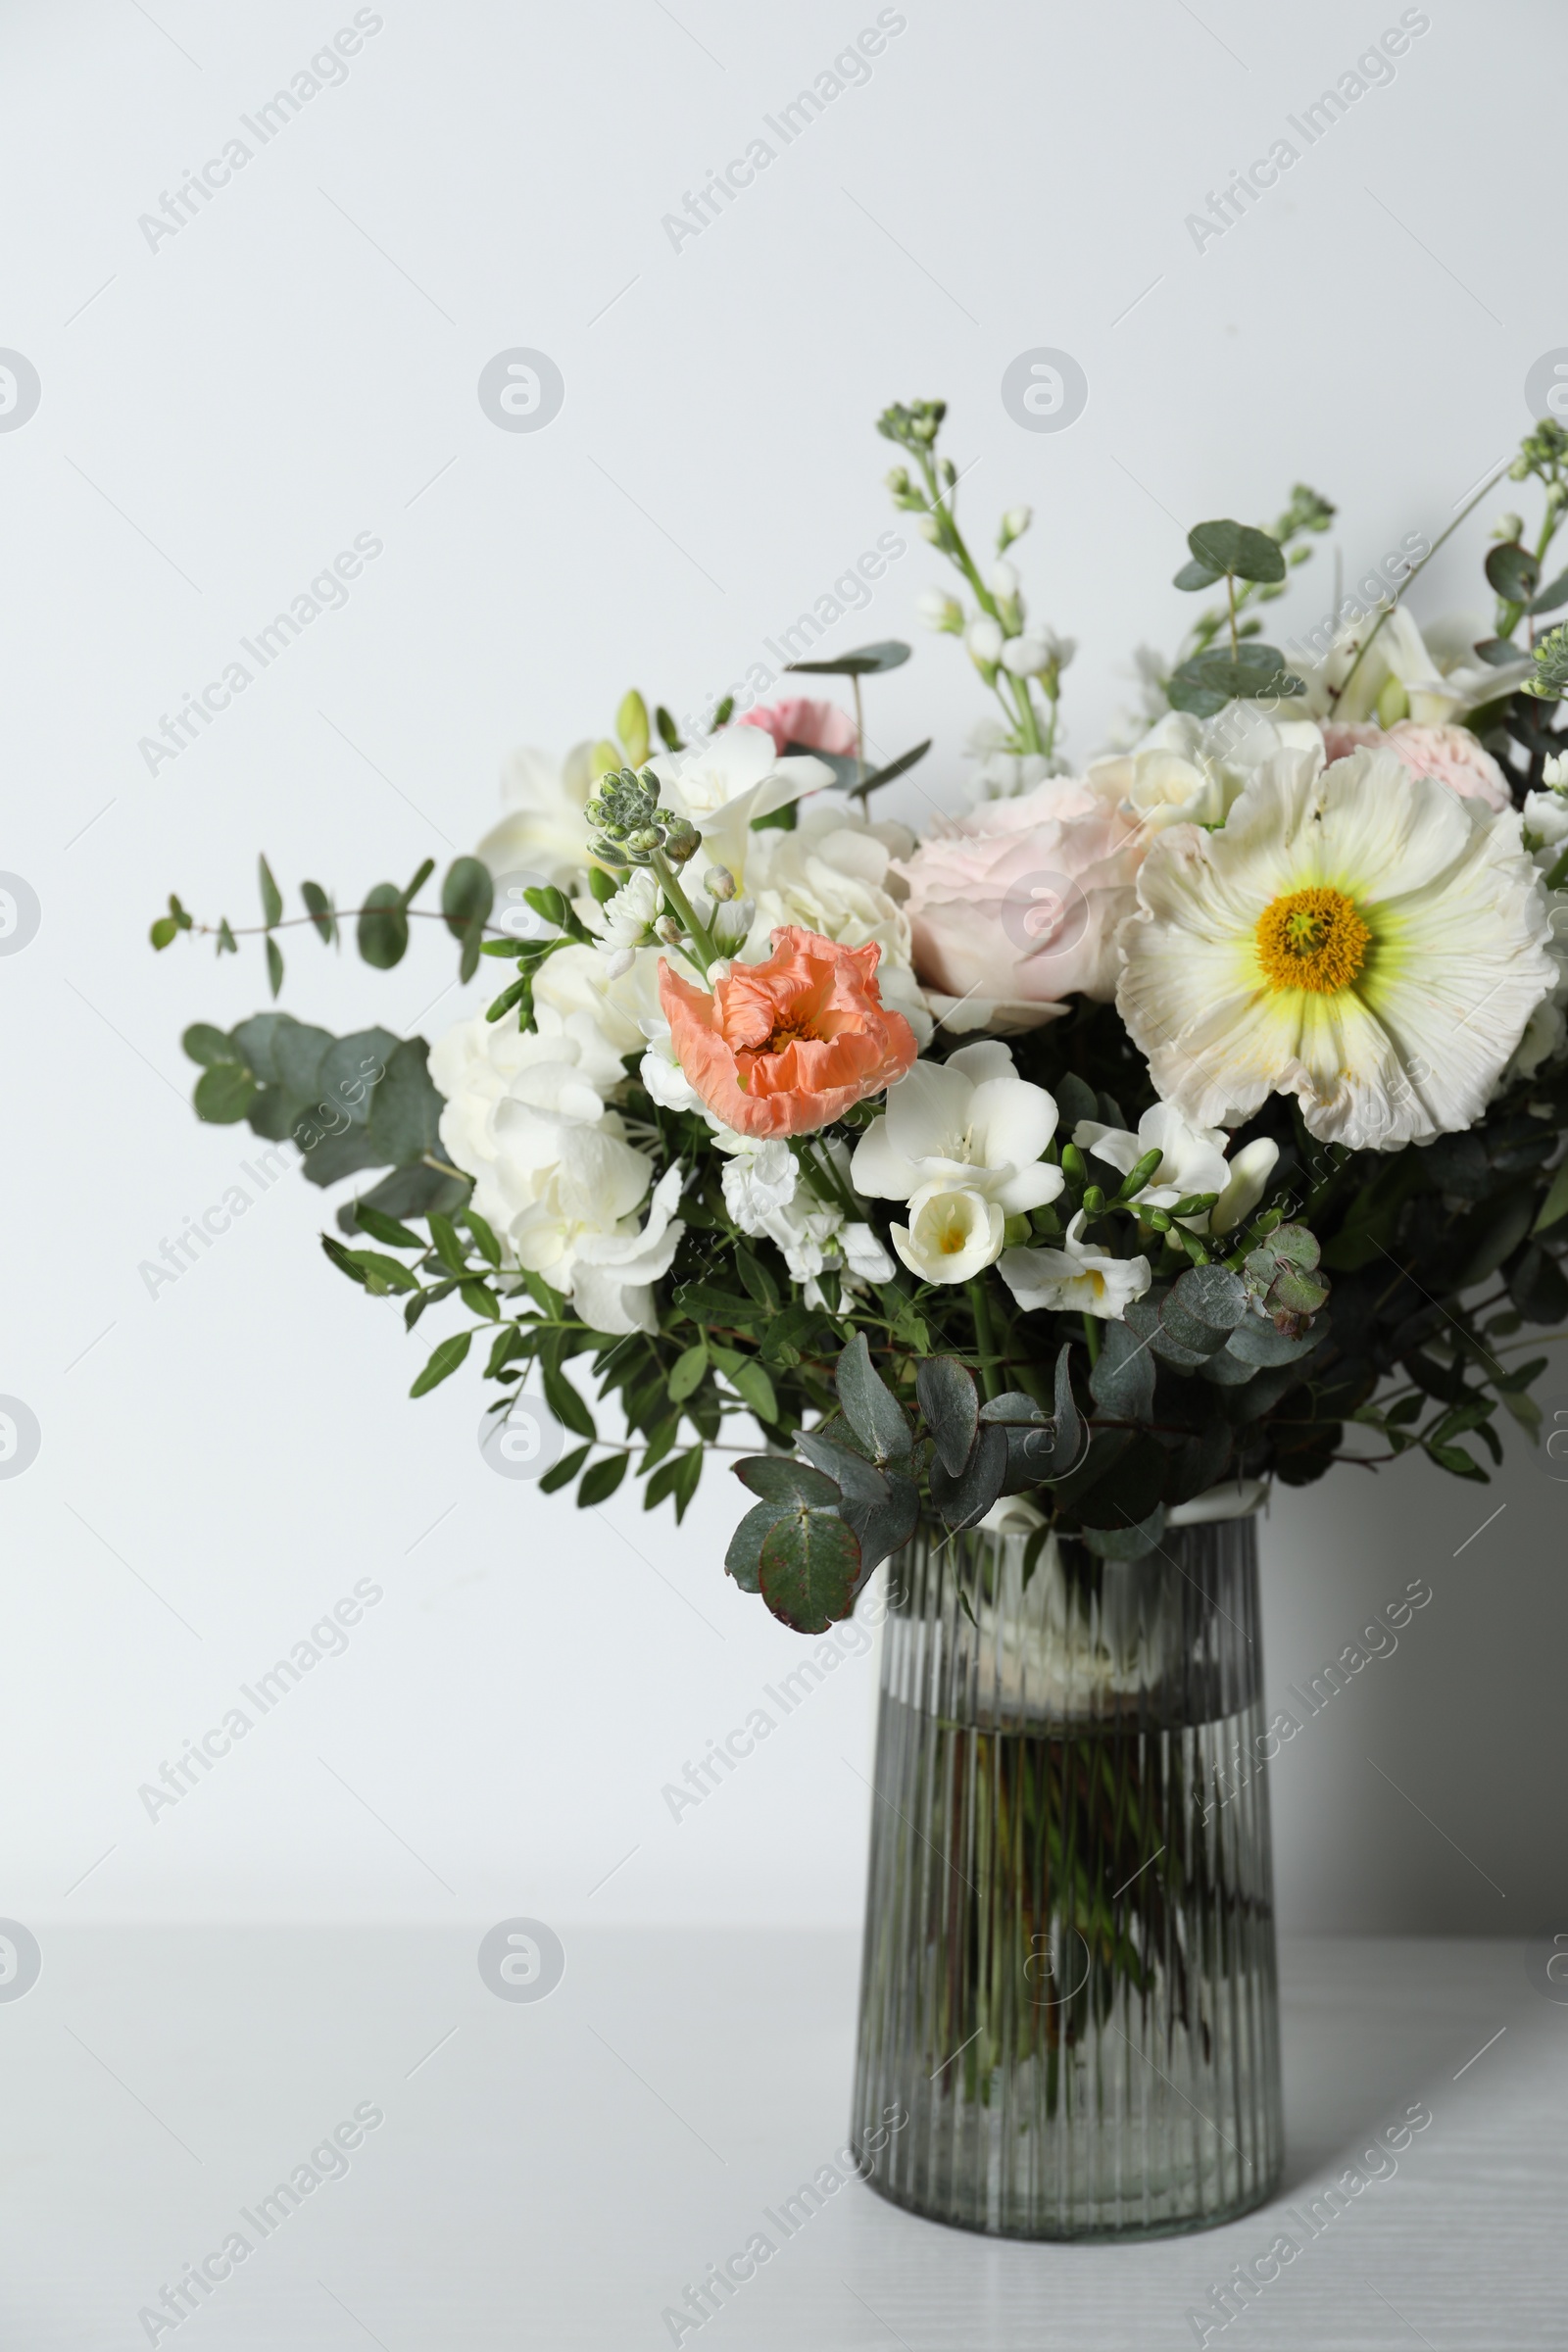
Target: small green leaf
[467, 895]
[484, 1239]
[879, 776]
[688, 1373]
[274, 965]
[754, 1388]
[1514, 572]
[164, 930]
[865, 660]
[228, 944]
[224, 1092]
[383, 1274]
[565, 1403]
[421, 875]
[382, 934]
[1234, 547]
[1196, 576]
[870, 1406]
[564, 1471]
[480, 1300]
[1555, 1204]
[272, 896]
[951, 1408]
[601, 1482]
[382, 1228]
[744, 1558]
[791, 1484]
[443, 1362]
[448, 1247]
[207, 1045]
[320, 909]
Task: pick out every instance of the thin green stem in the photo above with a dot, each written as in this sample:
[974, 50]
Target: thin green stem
[1410, 577]
[681, 908]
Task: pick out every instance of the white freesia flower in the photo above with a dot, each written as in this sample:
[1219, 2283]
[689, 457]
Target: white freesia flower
[1075, 1279]
[1356, 936]
[970, 1124]
[736, 778]
[1546, 819]
[613, 1271]
[1433, 679]
[544, 830]
[954, 1233]
[1192, 1161]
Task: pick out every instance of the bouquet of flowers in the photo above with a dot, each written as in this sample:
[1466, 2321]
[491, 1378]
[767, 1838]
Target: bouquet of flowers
[1132, 1133]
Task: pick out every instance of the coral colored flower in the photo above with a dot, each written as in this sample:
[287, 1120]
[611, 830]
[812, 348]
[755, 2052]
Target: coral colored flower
[785, 1046]
[811, 726]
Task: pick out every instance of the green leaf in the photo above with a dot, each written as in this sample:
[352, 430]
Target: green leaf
[601, 1482]
[272, 896]
[480, 1300]
[386, 1229]
[1555, 1204]
[274, 965]
[467, 895]
[1514, 572]
[228, 944]
[1234, 547]
[405, 1193]
[870, 1406]
[319, 907]
[688, 1472]
[344, 1260]
[384, 1274]
[163, 931]
[484, 1239]
[966, 1499]
[754, 1388]
[668, 733]
[744, 1558]
[1555, 593]
[224, 1092]
[951, 1403]
[207, 1045]
[756, 1278]
[689, 1372]
[565, 1403]
[382, 934]
[791, 1484]
[632, 726]
[1196, 576]
[1281, 1273]
[448, 1247]
[564, 1471]
[443, 1362]
[421, 875]
[406, 1108]
[1205, 683]
[1129, 1542]
[865, 660]
[808, 1565]
[878, 776]
[1122, 1380]
[1463, 1464]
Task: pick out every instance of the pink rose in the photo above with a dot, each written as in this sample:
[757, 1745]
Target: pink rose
[813, 726]
[1020, 900]
[1451, 755]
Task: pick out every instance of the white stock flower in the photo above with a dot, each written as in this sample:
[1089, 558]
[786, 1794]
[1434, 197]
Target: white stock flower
[1075, 1279]
[764, 1196]
[1003, 580]
[625, 921]
[958, 1138]
[544, 830]
[1356, 936]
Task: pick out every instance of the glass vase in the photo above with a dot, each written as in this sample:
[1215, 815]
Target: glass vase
[1068, 2006]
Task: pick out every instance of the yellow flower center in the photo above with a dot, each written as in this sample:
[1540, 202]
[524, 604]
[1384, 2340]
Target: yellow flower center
[1312, 939]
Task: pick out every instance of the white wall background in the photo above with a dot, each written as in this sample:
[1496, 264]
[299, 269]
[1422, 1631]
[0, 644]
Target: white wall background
[218, 417]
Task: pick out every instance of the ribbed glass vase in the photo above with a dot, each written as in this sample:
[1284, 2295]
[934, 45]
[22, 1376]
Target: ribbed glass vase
[1068, 2010]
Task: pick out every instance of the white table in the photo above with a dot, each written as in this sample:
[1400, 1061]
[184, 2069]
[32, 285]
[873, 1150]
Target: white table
[554, 2172]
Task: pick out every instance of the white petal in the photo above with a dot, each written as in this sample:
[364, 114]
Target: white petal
[1010, 1121]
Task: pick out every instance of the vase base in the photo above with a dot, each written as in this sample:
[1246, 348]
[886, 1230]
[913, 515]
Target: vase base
[1084, 2232]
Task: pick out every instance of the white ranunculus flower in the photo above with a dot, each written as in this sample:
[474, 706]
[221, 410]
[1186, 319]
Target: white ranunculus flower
[734, 778]
[1188, 770]
[970, 1123]
[574, 988]
[954, 1233]
[1356, 936]
[544, 830]
[1075, 1279]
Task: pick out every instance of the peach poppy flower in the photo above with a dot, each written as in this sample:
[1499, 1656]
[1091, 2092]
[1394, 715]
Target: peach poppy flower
[785, 1046]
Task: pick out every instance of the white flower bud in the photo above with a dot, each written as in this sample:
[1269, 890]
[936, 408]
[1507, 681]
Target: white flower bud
[719, 884]
[618, 962]
[1508, 527]
[718, 969]
[931, 528]
[1555, 773]
[1016, 522]
[1026, 656]
[938, 611]
[1003, 581]
[984, 639]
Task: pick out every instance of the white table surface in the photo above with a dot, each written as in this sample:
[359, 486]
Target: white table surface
[554, 2172]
